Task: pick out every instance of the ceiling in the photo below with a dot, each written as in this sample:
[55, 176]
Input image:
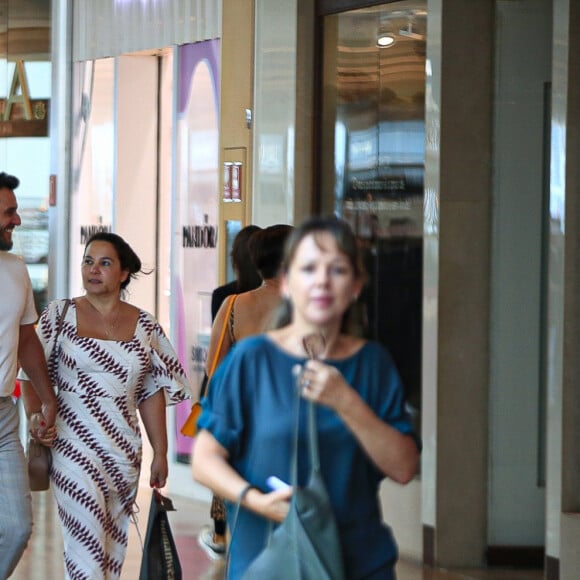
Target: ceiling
[25, 29]
[364, 71]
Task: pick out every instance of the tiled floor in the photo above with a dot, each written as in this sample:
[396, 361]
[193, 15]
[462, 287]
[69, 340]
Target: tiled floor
[43, 557]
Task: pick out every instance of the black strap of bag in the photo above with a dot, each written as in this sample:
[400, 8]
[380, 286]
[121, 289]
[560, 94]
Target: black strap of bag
[60, 321]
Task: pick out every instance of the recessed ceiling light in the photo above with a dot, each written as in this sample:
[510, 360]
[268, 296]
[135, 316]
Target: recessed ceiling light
[386, 40]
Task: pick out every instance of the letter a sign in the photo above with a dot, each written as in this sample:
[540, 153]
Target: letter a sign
[19, 81]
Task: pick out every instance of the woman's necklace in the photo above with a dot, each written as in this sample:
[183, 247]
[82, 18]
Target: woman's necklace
[109, 321]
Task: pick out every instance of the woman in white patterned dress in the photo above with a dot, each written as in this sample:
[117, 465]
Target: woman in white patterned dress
[111, 359]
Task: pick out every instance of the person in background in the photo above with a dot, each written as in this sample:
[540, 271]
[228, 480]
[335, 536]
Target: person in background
[213, 541]
[112, 360]
[250, 314]
[252, 310]
[18, 345]
[364, 431]
[247, 277]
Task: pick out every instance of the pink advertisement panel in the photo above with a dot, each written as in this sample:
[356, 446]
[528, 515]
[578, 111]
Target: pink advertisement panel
[196, 212]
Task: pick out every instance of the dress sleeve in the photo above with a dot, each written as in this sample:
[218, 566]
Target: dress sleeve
[165, 372]
[390, 403]
[223, 407]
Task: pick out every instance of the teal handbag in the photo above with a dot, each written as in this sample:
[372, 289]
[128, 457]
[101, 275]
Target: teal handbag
[306, 545]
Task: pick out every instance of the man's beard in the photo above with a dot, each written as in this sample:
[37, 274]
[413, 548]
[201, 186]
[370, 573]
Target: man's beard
[5, 243]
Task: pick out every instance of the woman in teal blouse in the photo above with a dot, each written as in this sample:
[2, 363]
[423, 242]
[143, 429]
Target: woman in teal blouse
[364, 431]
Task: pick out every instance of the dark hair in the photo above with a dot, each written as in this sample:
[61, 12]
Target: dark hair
[247, 277]
[267, 249]
[128, 258]
[8, 181]
[352, 321]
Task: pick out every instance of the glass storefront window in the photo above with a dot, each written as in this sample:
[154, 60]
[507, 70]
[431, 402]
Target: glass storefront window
[25, 90]
[93, 146]
[373, 120]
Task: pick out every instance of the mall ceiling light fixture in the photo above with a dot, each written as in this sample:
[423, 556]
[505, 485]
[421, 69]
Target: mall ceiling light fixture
[386, 39]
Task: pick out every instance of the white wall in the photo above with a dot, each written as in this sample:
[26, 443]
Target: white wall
[92, 153]
[113, 27]
[523, 46]
[274, 111]
[136, 168]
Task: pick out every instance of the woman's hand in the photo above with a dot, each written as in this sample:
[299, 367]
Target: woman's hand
[393, 452]
[152, 411]
[273, 505]
[46, 437]
[324, 384]
[159, 470]
[211, 468]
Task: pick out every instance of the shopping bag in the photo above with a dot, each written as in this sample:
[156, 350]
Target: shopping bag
[189, 428]
[160, 559]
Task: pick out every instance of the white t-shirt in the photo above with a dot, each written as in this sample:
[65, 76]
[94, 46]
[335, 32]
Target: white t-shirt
[16, 309]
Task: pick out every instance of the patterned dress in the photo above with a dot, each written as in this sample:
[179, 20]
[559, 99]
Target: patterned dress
[97, 451]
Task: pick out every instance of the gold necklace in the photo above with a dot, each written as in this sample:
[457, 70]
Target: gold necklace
[108, 327]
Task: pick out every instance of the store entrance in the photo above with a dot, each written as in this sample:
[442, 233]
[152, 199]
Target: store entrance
[145, 166]
[117, 164]
[373, 100]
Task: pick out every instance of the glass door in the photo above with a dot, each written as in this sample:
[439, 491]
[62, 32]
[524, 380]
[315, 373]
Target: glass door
[373, 135]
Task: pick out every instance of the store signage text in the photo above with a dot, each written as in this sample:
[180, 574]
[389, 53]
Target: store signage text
[199, 236]
[198, 358]
[88, 231]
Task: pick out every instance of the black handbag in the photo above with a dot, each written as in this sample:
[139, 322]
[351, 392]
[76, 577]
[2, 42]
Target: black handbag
[306, 545]
[160, 559]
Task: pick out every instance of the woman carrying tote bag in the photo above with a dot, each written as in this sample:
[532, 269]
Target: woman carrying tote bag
[364, 432]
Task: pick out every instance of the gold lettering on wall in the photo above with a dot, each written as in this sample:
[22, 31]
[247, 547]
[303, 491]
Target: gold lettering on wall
[21, 116]
[19, 81]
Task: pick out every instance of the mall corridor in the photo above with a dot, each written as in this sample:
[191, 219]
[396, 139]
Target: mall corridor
[43, 558]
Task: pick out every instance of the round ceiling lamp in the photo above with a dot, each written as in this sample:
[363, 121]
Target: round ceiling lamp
[385, 40]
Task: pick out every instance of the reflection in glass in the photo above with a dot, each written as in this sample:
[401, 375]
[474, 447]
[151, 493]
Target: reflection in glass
[233, 228]
[373, 120]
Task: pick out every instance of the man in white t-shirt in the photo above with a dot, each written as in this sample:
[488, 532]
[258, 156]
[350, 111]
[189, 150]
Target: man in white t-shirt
[18, 345]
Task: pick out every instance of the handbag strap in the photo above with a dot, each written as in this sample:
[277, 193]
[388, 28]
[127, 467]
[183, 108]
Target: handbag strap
[220, 343]
[59, 326]
[61, 319]
[312, 436]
